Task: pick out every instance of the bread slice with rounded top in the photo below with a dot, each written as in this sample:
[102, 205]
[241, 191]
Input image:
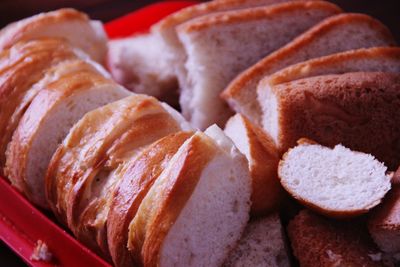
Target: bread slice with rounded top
[335, 34]
[384, 222]
[317, 241]
[137, 177]
[263, 157]
[74, 88]
[219, 46]
[85, 168]
[21, 67]
[197, 208]
[262, 244]
[336, 182]
[66, 23]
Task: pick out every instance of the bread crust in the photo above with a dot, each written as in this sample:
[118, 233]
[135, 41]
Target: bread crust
[242, 90]
[317, 241]
[225, 18]
[19, 75]
[162, 206]
[358, 110]
[136, 181]
[83, 77]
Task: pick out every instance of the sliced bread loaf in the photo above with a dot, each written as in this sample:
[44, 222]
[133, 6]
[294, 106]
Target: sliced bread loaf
[21, 67]
[66, 23]
[335, 182]
[262, 244]
[335, 34]
[137, 177]
[197, 208]
[317, 241]
[74, 88]
[263, 158]
[219, 46]
[359, 110]
[384, 224]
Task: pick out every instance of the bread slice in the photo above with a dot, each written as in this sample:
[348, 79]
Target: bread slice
[262, 244]
[137, 177]
[139, 64]
[84, 170]
[182, 221]
[359, 110]
[317, 241]
[384, 59]
[336, 182]
[335, 34]
[66, 23]
[384, 224]
[76, 88]
[263, 158]
[219, 46]
[174, 55]
[18, 76]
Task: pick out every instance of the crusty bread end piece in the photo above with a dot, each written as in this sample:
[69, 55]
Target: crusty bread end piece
[336, 182]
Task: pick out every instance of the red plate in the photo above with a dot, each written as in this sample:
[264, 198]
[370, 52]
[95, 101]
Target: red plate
[22, 224]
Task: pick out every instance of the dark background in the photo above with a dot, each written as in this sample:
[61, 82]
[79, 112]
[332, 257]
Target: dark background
[388, 11]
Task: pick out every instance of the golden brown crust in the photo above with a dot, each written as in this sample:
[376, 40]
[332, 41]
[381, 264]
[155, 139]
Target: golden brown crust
[18, 75]
[317, 241]
[236, 93]
[137, 180]
[13, 32]
[164, 202]
[267, 192]
[301, 70]
[226, 18]
[358, 110]
[81, 77]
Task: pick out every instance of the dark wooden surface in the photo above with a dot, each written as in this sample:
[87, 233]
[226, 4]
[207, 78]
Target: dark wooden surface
[388, 11]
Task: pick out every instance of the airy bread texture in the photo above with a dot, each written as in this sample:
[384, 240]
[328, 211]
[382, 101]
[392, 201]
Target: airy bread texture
[137, 177]
[263, 157]
[262, 244]
[335, 182]
[317, 241]
[74, 88]
[359, 110]
[384, 224]
[182, 221]
[139, 64]
[219, 46]
[66, 23]
[21, 67]
[98, 144]
[335, 34]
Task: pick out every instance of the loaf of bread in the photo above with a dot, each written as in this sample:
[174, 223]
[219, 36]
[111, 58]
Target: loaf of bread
[263, 158]
[317, 241]
[336, 182]
[235, 40]
[359, 110]
[68, 91]
[66, 23]
[335, 34]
